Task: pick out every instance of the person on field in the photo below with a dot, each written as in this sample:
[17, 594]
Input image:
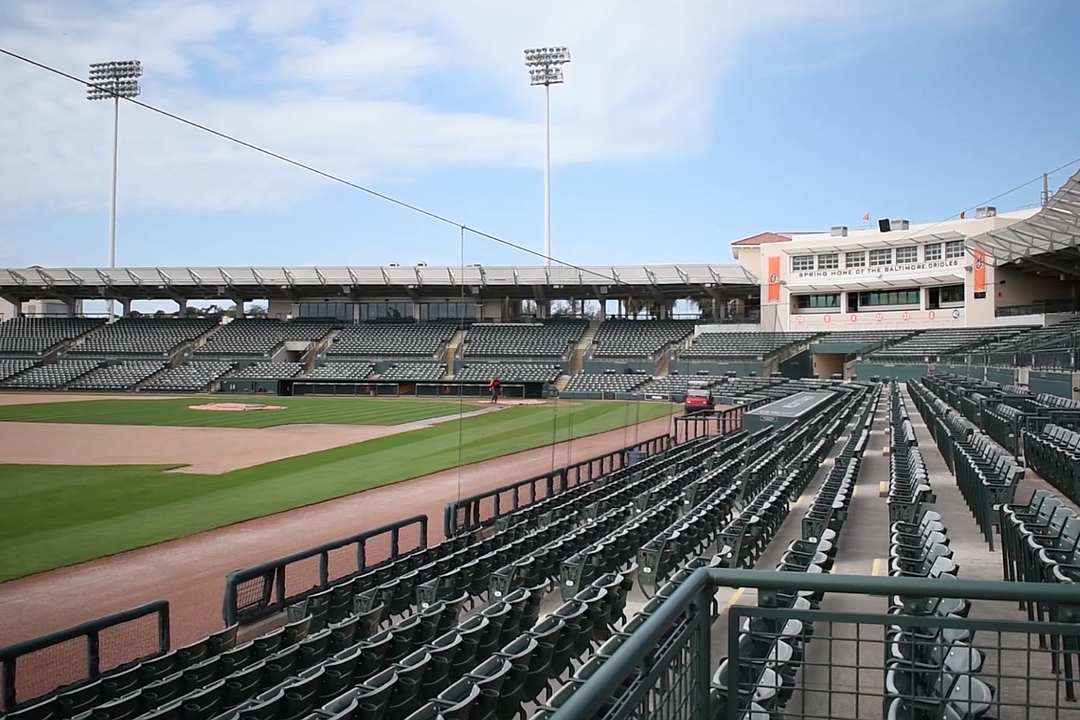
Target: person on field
[494, 386]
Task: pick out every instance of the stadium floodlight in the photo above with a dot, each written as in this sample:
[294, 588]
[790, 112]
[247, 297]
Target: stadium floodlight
[545, 69]
[115, 80]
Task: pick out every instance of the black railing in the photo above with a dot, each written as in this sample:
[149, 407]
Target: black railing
[476, 511]
[82, 653]
[708, 423]
[258, 591]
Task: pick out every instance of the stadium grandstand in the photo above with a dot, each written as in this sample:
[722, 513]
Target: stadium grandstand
[878, 517]
[995, 294]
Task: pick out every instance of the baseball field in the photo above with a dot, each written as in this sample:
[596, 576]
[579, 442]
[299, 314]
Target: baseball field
[85, 478]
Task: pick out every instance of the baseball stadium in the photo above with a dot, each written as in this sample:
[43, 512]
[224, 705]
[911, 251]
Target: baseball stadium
[835, 476]
[320, 512]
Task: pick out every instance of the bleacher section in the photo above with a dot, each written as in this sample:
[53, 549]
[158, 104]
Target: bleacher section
[50, 377]
[1054, 346]
[193, 376]
[591, 384]
[518, 619]
[270, 371]
[257, 338]
[32, 336]
[936, 344]
[509, 372]
[741, 345]
[9, 368]
[857, 342]
[120, 376]
[141, 337]
[342, 371]
[414, 372]
[390, 341]
[638, 338]
[553, 339]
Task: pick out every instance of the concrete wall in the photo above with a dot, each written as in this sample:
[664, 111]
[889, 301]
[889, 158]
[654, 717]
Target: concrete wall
[826, 364]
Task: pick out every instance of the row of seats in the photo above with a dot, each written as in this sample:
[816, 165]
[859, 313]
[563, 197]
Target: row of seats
[257, 338]
[194, 376]
[141, 337]
[925, 665]
[986, 474]
[414, 372]
[603, 383]
[50, 377]
[755, 345]
[552, 339]
[379, 340]
[32, 336]
[509, 372]
[771, 651]
[11, 367]
[1054, 453]
[1041, 543]
[119, 377]
[935, 344]
[620, 338]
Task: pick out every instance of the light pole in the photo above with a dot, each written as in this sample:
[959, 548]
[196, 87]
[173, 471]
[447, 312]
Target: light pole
[114, 81]
[544, 69]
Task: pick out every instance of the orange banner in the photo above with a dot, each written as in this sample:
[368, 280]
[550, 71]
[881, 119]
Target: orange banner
[980, 270]
[774, 278]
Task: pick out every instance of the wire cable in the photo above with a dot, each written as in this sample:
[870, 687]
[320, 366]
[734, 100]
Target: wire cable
[461, 395]
[311, 169]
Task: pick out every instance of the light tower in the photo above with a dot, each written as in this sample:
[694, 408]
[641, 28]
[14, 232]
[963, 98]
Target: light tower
[114, 81]
[544, 69]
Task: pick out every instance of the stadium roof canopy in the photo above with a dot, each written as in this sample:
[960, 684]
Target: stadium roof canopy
[417, 282]
[1048, 241]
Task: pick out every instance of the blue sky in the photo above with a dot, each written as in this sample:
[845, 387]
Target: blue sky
[681, 128]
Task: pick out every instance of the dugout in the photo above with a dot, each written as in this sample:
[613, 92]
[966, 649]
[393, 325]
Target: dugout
[787, 410]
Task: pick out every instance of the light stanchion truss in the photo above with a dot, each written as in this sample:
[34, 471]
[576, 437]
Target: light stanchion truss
[545, 69]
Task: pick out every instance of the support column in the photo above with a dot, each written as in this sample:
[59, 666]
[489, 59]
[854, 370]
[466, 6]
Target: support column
[71, 306]
[125, 307]
[181, 307]
[238, 311]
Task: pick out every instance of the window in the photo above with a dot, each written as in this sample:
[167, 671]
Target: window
[878, 298]
[447, 310]
[952, 294]
[932, 252]
[907, 255]
[824, 300]
[386, 311]
[828, 262]
[802, 263]
[880, 257]
[855, 259]
[335, 310]
[954, 249]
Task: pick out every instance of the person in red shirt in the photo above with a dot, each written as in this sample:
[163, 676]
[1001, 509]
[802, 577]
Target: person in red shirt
[494, 386]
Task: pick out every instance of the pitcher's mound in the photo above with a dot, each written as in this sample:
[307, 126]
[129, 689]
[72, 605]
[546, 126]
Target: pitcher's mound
[234, 407]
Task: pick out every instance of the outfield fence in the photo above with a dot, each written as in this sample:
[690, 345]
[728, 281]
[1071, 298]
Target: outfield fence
[258, 591]
[473, 512]
[82, 653]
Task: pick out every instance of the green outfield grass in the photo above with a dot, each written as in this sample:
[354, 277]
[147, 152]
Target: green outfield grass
[177, 412]
[60, 515]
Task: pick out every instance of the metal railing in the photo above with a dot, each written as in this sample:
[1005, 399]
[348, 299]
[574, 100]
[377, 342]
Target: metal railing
[664, 669]
[473, 512]
[261, 590]
[709, 423]
[82, 653]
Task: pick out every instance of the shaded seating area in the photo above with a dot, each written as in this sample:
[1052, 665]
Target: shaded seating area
[257, 338]
[30, 337]
[620, 338]
[551, 339]
[391, 340]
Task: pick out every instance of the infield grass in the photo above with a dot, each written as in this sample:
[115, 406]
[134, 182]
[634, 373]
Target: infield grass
[178, 413]
[55, 516]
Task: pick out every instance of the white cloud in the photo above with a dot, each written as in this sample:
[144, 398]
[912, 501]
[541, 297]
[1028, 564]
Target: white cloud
[344, 86]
